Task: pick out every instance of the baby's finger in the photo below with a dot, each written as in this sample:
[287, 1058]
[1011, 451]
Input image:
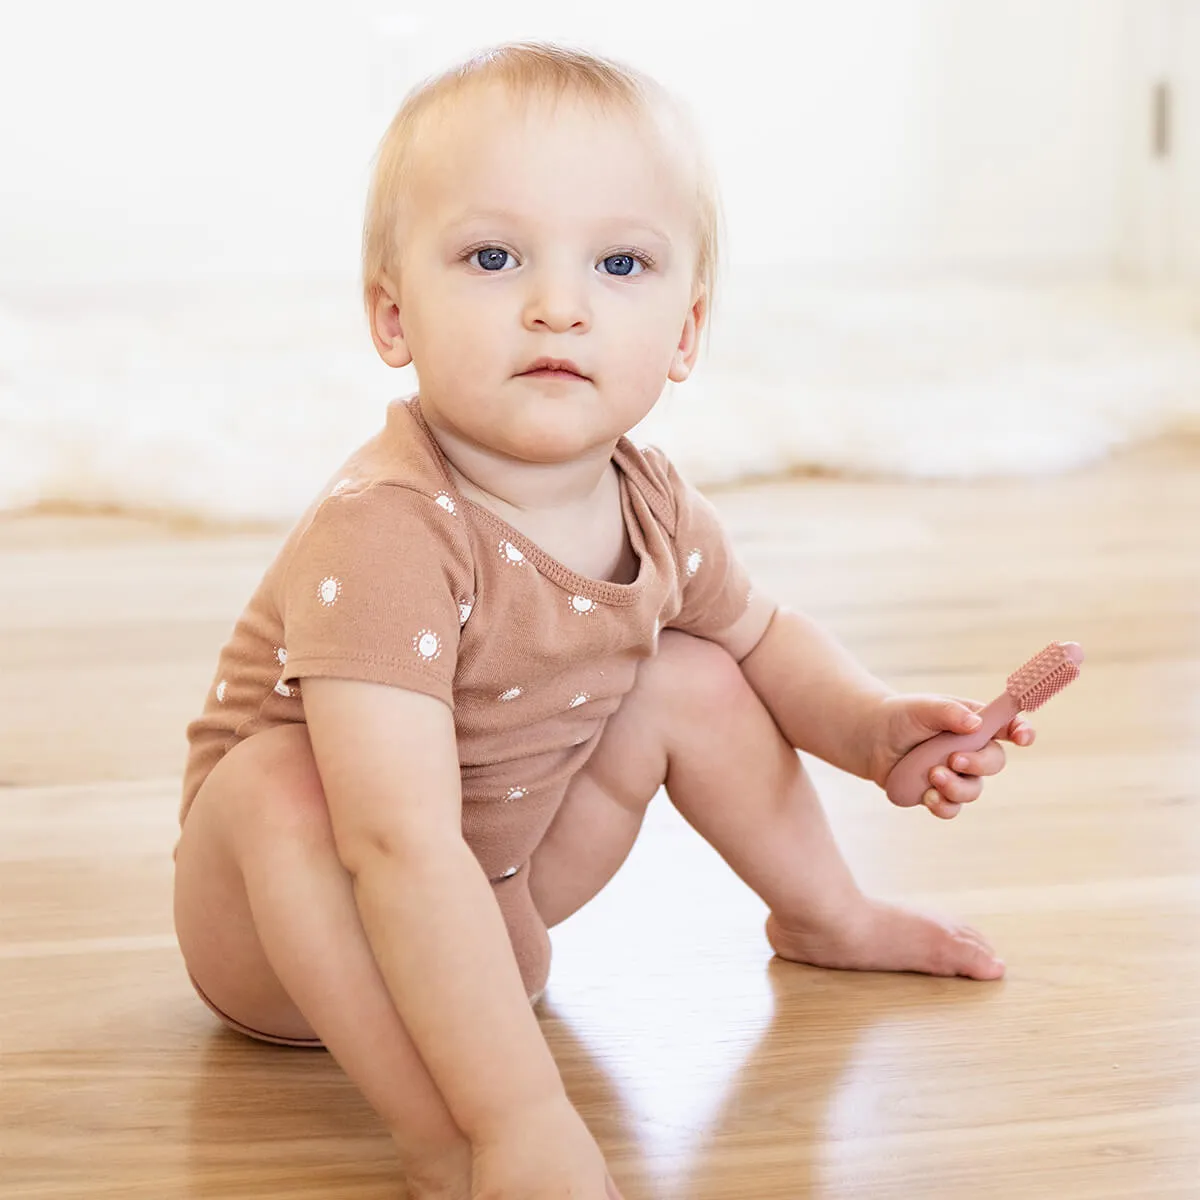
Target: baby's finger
[940, 807]
[957, 789]
[988, 761]
[1020, 732]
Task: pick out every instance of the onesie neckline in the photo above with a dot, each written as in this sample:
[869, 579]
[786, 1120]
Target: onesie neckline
[604, 590]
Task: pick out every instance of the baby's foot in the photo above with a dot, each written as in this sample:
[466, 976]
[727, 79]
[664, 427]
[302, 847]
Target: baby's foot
[887, 937]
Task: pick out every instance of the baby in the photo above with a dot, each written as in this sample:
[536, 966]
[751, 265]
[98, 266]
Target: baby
[501, 627]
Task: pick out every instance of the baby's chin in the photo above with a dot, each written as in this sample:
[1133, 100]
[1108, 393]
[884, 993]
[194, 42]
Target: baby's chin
[549, 446]
[556, 432]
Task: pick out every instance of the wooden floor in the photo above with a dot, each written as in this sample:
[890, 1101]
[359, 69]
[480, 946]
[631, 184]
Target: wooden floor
[707, 1070]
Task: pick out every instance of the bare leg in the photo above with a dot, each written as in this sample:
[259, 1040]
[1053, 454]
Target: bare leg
[746, 792]
[267, 923]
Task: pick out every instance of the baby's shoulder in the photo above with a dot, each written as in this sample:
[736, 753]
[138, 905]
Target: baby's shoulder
[390, 496]
[650, 470]
[400, 455]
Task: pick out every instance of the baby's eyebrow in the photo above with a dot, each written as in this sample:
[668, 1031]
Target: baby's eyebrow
[498, 214]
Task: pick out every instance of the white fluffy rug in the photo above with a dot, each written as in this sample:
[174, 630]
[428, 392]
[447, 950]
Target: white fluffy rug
[235, 403]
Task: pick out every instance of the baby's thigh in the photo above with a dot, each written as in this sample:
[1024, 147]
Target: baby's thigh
[263, 788]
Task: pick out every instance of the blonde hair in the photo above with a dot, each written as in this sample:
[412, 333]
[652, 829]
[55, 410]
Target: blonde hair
[541, 69]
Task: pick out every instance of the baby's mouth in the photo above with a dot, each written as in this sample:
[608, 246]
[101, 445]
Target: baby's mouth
[548, 367]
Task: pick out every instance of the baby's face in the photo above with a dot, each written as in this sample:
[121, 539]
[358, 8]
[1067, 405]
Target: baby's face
[567, 234]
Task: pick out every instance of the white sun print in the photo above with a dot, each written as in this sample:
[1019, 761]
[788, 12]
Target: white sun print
[282, 689]
[341, 486]
[281, 656]
[221, 692]
[693, 562]
[511, 694]
[511, 553]
[427, 644]
[328, 590]
[515, 793]
[446, 501]
[580, 698]
[464, 611]
[582, 605]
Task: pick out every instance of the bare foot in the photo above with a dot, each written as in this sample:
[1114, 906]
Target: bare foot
[887, 937]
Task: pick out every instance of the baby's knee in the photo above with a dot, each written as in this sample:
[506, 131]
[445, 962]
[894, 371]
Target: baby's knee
[695, 675]
[268, 788]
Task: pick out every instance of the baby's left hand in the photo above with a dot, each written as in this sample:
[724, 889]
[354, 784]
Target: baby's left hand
[906, 720]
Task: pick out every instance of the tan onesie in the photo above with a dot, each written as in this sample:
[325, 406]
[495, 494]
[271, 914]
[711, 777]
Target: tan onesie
[392, 576]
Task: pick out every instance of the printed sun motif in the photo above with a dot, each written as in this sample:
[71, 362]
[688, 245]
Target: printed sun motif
[580, 698]
[693, 562]
[281, 656]
[582, 605]
[427, 644]
[464, 611]
[446, 501]
[511, 553]
[341, 486]
[511, 694]
[221, 691]
[515, 793]
[282, 689]
[328, 590]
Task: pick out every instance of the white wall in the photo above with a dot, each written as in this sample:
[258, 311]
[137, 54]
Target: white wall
[1172, 186]
[1160, 229]
[1187, 139]
[144, 140]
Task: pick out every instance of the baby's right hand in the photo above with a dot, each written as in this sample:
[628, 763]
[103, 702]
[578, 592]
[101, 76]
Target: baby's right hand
[541, 1154]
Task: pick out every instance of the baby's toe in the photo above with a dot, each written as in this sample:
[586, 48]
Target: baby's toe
[973, 957]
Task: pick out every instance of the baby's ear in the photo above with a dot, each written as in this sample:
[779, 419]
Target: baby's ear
[689, 340]
[386, 330]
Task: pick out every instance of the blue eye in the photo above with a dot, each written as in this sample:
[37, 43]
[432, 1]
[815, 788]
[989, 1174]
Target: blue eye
[625, 263]
[491, 258]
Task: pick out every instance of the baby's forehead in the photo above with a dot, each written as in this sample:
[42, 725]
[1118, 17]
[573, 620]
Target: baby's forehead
[444, 137]
[492, 106]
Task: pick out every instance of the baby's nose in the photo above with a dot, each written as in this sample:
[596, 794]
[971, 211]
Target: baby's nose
[557, 303]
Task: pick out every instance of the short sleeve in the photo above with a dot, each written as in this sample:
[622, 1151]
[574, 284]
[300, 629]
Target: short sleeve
[715, 585]
[374, 590]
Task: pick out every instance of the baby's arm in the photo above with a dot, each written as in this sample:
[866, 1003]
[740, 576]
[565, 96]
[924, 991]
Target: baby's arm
[822, 698]
[826, 702]
[389, 764]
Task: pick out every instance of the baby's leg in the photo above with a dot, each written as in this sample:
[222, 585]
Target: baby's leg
[693, 722]
[268, 927]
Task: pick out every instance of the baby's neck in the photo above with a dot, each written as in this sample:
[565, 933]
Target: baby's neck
[533, 489]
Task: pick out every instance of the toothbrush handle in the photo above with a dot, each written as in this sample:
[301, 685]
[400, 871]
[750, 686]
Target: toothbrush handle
[908, 780]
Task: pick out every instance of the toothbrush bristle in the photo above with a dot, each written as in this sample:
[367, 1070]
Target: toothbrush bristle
[1045, 675]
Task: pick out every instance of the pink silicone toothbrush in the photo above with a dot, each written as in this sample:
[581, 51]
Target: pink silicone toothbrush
[1028, 688]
